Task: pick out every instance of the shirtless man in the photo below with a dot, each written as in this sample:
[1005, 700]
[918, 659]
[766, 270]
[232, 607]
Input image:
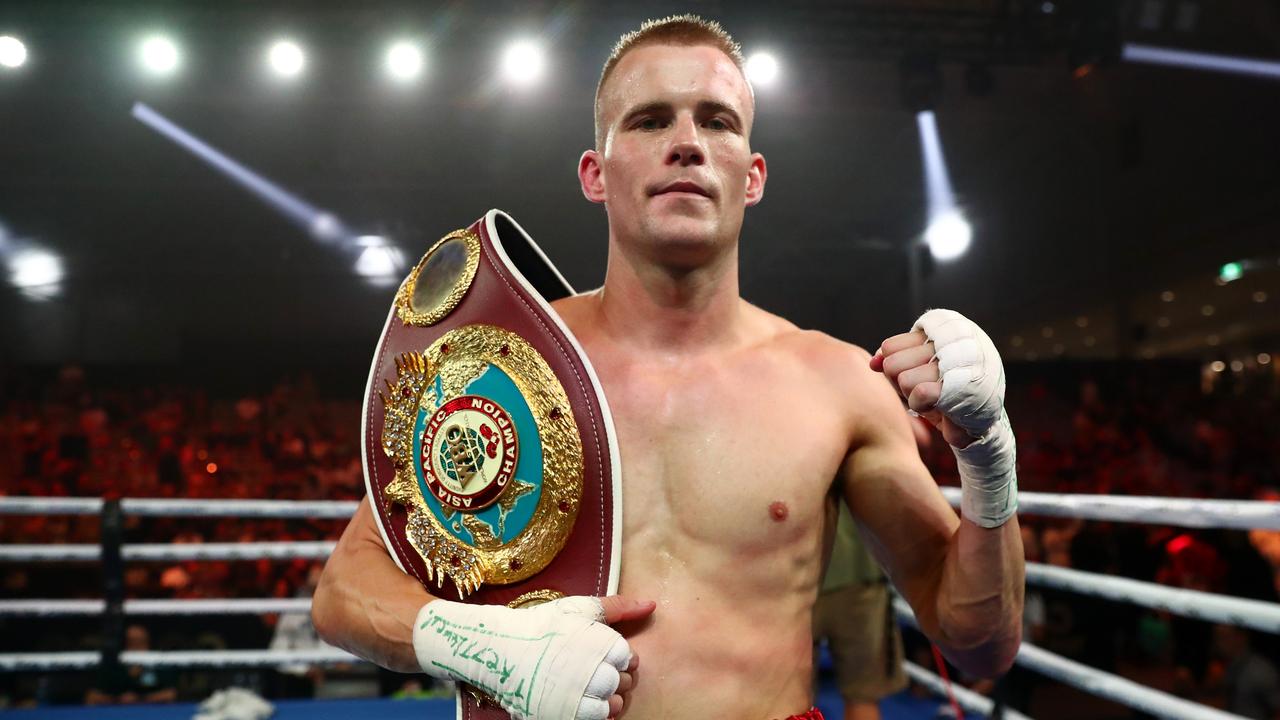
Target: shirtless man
[739, 433]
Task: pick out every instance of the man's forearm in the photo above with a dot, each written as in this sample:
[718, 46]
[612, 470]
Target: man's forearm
[365, 604]
[980, 598]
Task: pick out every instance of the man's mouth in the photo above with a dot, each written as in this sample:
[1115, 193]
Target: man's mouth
[683, 186]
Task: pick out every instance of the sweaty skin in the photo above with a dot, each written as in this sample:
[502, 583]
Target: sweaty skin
[738, 431]
[728, 459]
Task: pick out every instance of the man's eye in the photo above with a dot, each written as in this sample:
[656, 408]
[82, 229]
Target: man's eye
[717, 124]
[649, 124]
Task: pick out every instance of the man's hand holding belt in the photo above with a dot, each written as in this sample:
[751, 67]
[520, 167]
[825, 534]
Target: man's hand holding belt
[951, 374]
[555, 661]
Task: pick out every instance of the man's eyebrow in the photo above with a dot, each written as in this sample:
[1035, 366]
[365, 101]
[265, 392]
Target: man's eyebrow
[656, 106]
[711, 107]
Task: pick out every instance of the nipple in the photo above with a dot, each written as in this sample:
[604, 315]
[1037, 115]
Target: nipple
[778, 510]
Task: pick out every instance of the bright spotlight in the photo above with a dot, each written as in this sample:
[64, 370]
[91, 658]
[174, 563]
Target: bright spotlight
[380, 262]
[404, 61]
[36, 273]
[523, 63]
[948, 235]
[12, 52]
[1201, 61]
[762, 68]
[286, 58]
[158, 55]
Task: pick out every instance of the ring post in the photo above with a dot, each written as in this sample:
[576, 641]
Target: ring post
[112, 535]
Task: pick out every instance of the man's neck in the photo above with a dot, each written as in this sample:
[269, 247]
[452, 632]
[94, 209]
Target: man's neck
[679, 310]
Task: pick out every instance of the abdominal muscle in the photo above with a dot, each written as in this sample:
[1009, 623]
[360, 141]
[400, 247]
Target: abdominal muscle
[728, 639]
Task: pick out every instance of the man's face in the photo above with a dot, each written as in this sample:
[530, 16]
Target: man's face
[676, 170]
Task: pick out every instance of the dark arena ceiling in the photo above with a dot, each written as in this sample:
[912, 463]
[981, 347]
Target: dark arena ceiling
[1093, 185]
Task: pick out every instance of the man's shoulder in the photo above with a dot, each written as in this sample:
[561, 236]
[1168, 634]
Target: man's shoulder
[813, 349]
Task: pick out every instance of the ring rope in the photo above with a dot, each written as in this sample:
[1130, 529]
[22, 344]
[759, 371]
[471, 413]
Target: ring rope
[237, 606]
[50, 553]
[27, 662]
[1212, 607]
[10, 505]
[1097, 682]
[312, 550]
[315, 550]
[968, 699]
[326, 655]
[331, 509]
[1182, 512]
[183, 507]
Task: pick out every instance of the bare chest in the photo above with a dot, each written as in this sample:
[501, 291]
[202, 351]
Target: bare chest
[738, 457]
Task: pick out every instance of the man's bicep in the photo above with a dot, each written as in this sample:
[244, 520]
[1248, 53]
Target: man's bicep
[905, 520]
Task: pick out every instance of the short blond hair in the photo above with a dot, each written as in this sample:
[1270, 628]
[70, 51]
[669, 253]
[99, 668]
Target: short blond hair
[684, 30]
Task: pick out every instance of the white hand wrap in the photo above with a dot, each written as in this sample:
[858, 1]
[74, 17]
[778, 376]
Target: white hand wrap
[556, 661]
[973, 398]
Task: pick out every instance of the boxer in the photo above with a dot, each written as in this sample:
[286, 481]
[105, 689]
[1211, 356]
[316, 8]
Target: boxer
[739, 432]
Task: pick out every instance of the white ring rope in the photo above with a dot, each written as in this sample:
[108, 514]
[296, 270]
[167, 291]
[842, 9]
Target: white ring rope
[1182, 512]
[1099, 683]
[18, 662]
[315, 550]
[184, 507]
[1211, 607]
[326, 655]
[50, 553]
[50, 505]
[237, 606]
[312, 550]
[968, 699]
[51, 608]
[329, 509]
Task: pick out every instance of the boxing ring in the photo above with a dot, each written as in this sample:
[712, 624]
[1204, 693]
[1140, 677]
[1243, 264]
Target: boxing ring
[112, 553]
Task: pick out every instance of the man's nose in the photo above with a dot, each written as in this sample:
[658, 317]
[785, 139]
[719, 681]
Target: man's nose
[686, 149]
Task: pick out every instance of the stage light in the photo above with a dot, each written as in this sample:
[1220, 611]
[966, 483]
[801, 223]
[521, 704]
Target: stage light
[1264, 358]
[1260, 296]
[1217, 366]
[1201, 61]
[762, 69]
[321, 225]
[404, 61]
[286, 58]
[1230, 271]
[158, 55]
[380, 262]
[1168, 296]
[1237, 365]
[1207, 310]
[13, 53]
[523, 63]
[36, 273]
[948, 236]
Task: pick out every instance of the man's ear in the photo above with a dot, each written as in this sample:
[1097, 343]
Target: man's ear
[756, 175]
[591, 176]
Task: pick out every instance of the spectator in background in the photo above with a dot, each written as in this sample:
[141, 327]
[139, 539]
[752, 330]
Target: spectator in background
[1249, 681]
[854, 615]
[294, 631]
[128, 684]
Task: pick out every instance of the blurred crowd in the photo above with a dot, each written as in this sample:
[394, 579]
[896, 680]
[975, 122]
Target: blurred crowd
[1147, 429]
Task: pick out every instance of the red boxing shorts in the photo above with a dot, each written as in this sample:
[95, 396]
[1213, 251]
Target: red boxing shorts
[812, 714]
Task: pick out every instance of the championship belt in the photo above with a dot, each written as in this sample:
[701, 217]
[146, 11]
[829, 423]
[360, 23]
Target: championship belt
[490, 457]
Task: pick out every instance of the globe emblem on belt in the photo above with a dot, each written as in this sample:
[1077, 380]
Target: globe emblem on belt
[468, 452]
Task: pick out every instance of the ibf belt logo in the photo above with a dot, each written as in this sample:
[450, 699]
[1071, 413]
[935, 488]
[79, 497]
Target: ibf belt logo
[468, 453]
